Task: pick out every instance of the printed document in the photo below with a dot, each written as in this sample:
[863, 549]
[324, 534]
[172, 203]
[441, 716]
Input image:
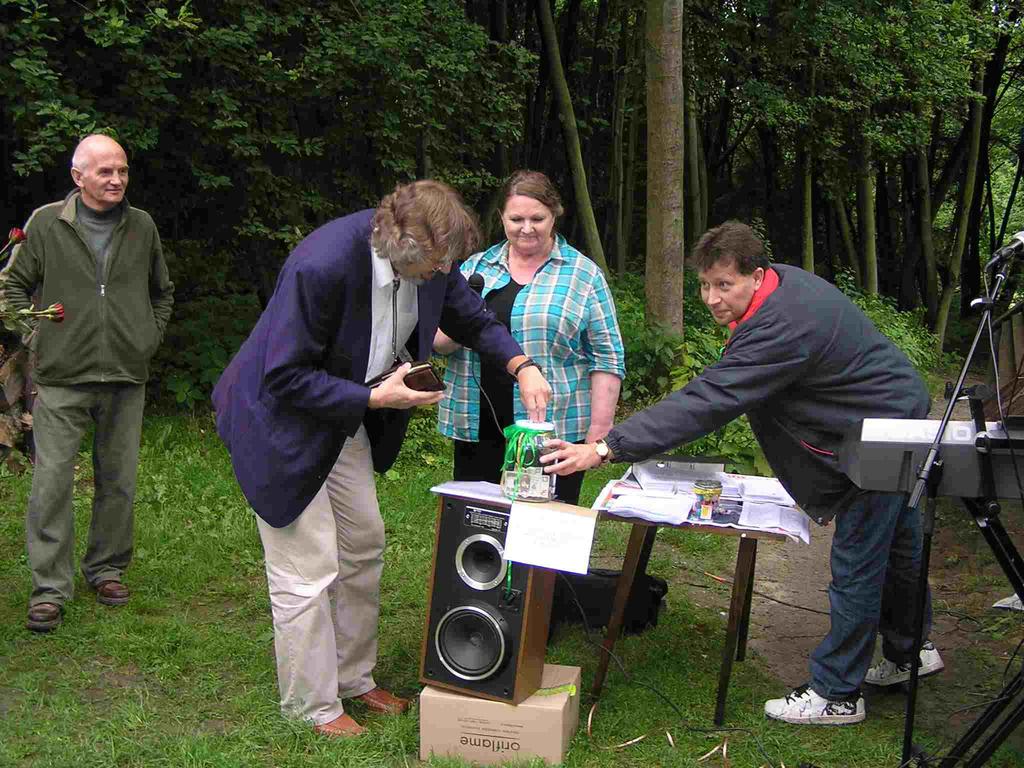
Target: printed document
[550, 534]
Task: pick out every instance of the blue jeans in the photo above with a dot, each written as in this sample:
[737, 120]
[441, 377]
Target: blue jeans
[876, 557]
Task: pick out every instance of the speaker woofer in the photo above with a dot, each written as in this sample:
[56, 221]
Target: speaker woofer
[470, 642]
[480, 562]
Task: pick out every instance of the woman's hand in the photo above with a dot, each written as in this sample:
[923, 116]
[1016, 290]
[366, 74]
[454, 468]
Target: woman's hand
[534, 391]
[567, 458]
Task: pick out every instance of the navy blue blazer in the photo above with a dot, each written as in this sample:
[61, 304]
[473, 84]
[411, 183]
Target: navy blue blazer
[293, 393]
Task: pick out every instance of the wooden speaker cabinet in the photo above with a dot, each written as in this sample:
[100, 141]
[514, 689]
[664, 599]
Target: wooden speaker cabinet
[487, 618]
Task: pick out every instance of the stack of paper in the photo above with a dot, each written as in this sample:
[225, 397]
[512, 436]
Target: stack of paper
[667, 509]
[627, 498]
[767, 490]
[775, 517]
[475, 490]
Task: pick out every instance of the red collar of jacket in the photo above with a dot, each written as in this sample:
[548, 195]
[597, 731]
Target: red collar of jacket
[768, 286]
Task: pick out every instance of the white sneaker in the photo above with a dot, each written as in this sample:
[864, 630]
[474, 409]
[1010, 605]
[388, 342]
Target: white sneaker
[805, 706]
[887, 673]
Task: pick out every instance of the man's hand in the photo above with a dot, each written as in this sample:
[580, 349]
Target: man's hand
[566, 458]
[535, 392]
[393, 393]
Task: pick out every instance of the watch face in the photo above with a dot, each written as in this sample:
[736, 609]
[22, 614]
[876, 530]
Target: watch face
[602, 449]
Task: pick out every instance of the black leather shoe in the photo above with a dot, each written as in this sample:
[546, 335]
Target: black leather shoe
[44, 617]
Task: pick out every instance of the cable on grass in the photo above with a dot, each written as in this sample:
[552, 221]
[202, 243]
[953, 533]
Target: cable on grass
[629, 678]
[724, 580]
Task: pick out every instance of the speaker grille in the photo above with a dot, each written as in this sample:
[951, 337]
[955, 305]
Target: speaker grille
[470, 642]
[480, 561]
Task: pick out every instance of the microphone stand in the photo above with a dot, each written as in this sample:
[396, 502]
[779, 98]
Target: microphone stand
[928, 479]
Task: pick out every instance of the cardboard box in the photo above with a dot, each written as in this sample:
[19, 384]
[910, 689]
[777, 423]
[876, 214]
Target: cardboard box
[493, 732]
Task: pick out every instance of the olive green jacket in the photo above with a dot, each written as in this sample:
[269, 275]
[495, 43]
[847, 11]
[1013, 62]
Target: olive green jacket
[112, 324]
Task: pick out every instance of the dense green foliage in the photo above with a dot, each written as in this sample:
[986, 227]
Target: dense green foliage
[201, 338]
[248, 124]
[906, 329]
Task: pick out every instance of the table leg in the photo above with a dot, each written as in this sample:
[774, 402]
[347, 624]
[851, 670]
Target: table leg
[740, 587]
[741, 643]
[645, 556]
[634, 551]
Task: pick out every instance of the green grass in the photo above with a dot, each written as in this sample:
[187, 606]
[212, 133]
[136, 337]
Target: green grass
[184, 675]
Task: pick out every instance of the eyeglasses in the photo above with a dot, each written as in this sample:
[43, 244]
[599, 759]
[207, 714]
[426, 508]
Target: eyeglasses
[440, 265]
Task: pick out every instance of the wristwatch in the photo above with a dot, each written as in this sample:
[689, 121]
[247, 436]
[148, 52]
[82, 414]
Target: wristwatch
[602, 450]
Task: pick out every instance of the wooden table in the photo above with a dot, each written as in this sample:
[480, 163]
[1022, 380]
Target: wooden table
[638, 552]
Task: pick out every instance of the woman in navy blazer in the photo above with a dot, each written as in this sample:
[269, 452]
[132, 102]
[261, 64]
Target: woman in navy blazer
[305, 434]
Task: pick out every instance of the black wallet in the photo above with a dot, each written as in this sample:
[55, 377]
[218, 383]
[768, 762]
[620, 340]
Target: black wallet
[422, 377]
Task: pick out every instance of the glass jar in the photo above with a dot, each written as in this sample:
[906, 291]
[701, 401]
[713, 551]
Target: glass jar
[523, 477]
[708, 493]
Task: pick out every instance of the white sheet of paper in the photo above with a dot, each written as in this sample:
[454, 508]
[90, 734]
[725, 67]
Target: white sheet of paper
[795, 523]
[766, 489]
[551, 535]
[673, 510]
[474, 490]
[761, 515]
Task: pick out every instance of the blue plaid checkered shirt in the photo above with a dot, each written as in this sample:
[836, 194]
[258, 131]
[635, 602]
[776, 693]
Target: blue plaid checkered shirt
[564, 319]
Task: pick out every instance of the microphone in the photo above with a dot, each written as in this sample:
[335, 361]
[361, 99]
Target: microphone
[1014, 247]
[476, 280]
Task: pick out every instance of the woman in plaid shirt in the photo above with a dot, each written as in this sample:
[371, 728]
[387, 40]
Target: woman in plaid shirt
[557, 305]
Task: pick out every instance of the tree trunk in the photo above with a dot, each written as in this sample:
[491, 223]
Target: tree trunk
[806, 182]
[502, 165]
[908, 295]
[970, 265]
[499, 21]
[584, 210]
[805, 166]
[888, 271]
[597, 59]
[771, 161]
[925, 234]
[966, 195]
[970, 287]
[565, 26]
[846, 235]
[692, 174]
[1013, 195]
[536, 113]
[866, 220]
[616, 177]
[616, 181]
[705, 187]
[663, 283]
[629, 171]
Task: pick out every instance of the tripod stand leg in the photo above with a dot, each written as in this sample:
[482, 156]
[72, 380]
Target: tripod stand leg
[999, 542]
[927, 528]
[993, 742]
[984, 722]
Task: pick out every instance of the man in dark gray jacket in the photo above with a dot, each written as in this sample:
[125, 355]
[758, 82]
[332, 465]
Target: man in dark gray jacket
[804, 364]
[102, 259]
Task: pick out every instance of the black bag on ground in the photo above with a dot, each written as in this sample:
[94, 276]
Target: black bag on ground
[596, 593]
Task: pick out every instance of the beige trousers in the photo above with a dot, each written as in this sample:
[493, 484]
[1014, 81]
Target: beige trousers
[323, 571]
